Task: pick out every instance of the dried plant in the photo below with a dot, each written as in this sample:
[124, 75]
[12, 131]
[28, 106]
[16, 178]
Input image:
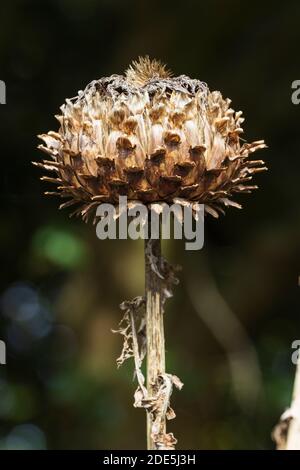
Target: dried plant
[286, 434]
[154, 138]
[150, 137]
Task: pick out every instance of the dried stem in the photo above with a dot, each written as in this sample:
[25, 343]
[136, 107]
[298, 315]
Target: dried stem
[293, 437]
[142, 328]
[155, 330]
[286, 433]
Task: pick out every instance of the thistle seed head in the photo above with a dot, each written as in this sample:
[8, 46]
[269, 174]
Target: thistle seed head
[151, 137]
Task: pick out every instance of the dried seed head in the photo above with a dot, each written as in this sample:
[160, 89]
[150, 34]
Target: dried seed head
[151, 137]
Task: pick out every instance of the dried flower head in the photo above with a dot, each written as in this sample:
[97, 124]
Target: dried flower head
[152, 138]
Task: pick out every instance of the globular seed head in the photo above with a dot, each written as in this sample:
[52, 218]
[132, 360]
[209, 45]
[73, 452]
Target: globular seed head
[153, 137]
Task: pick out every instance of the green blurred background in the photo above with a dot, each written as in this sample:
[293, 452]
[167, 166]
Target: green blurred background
[230, 325]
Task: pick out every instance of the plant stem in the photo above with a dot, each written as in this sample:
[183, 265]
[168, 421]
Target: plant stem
[155, 328]
[293, 437]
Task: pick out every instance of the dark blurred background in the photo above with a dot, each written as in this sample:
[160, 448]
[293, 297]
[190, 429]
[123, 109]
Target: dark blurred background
[230, 325]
